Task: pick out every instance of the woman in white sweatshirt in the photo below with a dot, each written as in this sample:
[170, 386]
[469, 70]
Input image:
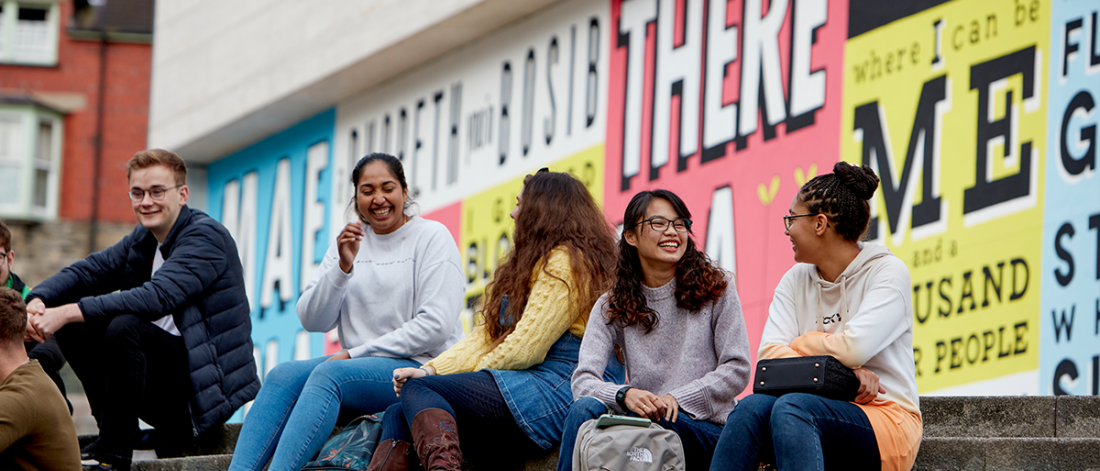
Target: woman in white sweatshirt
[392, 286]
[846, 299]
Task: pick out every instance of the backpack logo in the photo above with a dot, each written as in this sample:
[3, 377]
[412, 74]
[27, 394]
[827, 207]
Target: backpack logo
[640, 454]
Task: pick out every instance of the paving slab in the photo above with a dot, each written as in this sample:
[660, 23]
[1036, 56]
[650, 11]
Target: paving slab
[193, 463]
[1078, 417]
[1043, 454]
[998, 416]
[949, 454]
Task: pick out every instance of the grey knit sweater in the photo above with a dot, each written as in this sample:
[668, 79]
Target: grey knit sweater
[701, 358]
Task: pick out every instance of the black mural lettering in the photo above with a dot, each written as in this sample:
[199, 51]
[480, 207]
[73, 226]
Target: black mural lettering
[926, 124]
[593, 78]
[986, 192]
[505, 104]
[1075, 166]
[1063, 278]
[1065, 368]
[527, 118]
[551, 59]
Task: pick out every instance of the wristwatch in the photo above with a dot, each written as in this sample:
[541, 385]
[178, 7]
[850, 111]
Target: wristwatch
[620, 398]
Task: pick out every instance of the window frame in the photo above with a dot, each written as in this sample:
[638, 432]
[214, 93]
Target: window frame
[30, 117]
[9, 17]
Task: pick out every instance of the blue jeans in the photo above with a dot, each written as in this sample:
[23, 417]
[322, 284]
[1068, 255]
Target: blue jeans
[796, 432]
[300, 402]
[698, 436]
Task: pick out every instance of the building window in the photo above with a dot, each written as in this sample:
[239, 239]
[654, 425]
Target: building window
[28, 33]
[30, 159]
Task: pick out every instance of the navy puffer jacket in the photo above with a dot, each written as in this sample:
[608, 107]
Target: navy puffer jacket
[201, 283]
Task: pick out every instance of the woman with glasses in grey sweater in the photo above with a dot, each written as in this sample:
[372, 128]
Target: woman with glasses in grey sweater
[677, 319]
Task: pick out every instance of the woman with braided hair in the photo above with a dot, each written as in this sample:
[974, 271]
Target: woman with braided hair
[847, 299]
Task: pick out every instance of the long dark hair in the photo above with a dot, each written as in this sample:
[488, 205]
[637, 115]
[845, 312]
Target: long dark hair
[698, 281]
[842, 196]
[557, 210]
[396, 169]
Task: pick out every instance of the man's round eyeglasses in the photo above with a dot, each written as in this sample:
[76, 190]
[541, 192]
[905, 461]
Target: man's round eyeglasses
[156, 193]
[660, 224]
[788, 220]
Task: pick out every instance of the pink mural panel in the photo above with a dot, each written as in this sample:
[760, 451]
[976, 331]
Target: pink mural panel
[733, 112]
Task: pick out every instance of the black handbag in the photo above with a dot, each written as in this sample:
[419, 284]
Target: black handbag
[822, 375]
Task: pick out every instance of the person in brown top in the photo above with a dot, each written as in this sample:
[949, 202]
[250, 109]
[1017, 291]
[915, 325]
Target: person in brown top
[36, 431]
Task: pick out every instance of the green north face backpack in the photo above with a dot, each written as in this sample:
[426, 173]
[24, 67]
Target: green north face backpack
[352, 448]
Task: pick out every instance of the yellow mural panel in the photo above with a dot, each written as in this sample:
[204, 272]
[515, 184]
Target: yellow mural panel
[487, 228]
[949, 107]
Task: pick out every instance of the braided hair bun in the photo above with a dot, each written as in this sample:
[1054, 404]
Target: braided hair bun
[861, 180]
[842, 196]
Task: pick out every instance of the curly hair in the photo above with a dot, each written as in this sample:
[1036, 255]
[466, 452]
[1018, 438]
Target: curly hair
[698, 281]
[557, 211]
[842, 196]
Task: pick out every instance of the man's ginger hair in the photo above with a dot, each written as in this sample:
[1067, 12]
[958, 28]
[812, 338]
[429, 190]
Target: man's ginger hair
[153, 157]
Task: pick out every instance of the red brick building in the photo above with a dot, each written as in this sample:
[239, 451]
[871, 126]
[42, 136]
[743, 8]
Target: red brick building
[74, 104]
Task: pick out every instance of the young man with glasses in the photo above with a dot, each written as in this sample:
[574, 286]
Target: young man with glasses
[7, 259]
[157, 326]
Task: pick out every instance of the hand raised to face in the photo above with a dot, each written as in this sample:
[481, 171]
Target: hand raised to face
[348, 245]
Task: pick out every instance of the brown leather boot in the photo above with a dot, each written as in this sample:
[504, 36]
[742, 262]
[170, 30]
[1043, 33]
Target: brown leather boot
[393, 455]
[436, 437]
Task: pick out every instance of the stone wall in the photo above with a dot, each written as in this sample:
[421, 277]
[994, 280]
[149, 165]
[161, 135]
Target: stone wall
[43, 249]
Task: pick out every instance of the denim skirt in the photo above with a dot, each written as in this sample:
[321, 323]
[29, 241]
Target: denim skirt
[539, 397]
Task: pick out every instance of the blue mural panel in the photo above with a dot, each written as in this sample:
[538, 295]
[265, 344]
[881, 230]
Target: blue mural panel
[273, 196]
[1070, 313]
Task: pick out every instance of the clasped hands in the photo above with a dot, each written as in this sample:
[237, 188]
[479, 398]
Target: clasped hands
[401, 375]
[652, 407]
[43, 322]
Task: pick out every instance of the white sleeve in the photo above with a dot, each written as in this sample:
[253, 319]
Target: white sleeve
[440, 292]
[781, 327]
[320, 303]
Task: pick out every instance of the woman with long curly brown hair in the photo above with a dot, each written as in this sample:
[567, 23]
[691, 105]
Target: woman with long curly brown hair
[505, 387]
[677, 319]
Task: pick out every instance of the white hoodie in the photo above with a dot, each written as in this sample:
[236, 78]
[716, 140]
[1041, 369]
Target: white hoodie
[864, 318]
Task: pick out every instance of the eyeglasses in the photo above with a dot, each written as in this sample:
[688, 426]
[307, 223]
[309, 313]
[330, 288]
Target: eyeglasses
[660, 223]
[156, 193]
[788, 220]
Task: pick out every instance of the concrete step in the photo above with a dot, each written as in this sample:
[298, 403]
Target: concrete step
[963, 433]
[547, 461]
[936, 454]
[216, 441]
[989, 416]
[192, 463]
[1008, 454]
[1011, 416]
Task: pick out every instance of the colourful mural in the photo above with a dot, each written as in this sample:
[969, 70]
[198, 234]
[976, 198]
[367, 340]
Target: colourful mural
[980, 117]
